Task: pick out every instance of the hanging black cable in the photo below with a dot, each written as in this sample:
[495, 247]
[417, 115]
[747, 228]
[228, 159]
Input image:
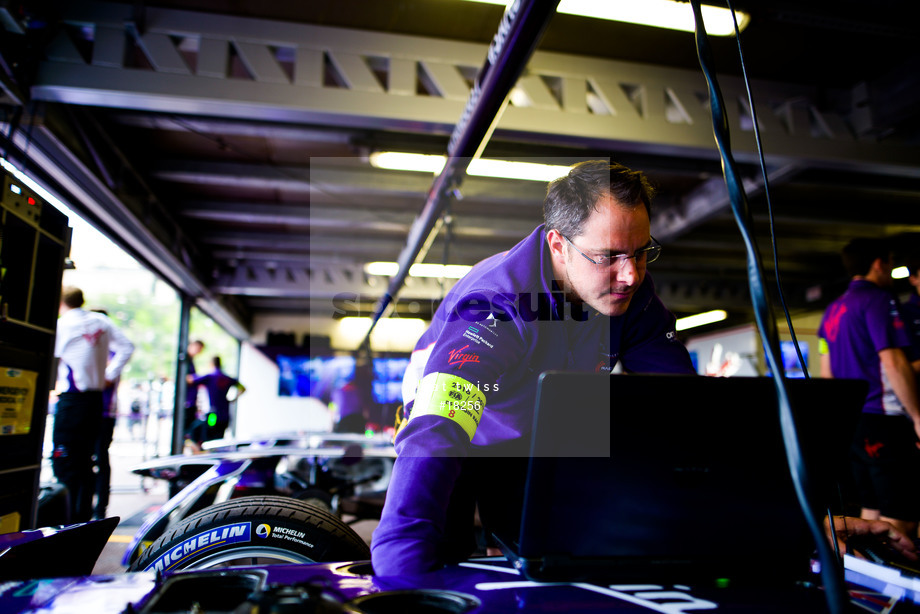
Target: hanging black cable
[766, 192]
[834, 589]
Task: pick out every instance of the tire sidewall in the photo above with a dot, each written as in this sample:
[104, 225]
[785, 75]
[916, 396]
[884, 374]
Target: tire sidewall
[196, 539]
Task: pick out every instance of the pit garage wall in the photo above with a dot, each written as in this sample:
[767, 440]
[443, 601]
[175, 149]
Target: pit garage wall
[731, 352]
[261, 411]
[738, 351]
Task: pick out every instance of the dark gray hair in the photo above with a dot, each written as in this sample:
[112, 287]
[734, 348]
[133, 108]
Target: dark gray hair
[571, 199]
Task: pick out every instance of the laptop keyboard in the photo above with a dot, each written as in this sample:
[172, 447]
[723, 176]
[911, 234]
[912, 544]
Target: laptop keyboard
[878, 550]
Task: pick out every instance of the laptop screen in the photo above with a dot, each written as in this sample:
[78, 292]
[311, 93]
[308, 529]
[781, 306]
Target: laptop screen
[681, 471]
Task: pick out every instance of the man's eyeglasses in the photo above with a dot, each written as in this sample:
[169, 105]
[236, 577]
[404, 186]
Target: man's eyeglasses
[643, 256]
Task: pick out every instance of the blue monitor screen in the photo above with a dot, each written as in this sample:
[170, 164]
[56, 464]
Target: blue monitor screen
[791, 362]
[791, 365]
[318, 376]
[388, 375]
[305, 376]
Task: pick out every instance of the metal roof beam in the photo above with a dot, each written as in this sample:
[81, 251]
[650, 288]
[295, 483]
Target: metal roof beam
[329, 283]
[358, 221]
[45, 157]
[708, 200]
[292, 178]
[423, 84]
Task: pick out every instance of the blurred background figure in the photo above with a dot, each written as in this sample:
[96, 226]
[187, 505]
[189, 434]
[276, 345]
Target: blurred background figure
[862, 336]
[104, 440]
[91, 353]
[191, 392]
[222, 390]
[352, 401]
[137, 411]
[910, 311]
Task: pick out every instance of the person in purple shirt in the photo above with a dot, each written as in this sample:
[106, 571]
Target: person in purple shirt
[574, 295]
[862, 336]
[354, 399]
[218, 384]
[910, 311]
[191, 392]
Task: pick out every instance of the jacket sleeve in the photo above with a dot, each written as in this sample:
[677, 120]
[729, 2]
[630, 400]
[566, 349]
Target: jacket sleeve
[444, 414]
[885, 327]
[412, 523]
[122, 349]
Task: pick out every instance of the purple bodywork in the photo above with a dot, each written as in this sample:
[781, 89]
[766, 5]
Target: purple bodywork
[483, 586]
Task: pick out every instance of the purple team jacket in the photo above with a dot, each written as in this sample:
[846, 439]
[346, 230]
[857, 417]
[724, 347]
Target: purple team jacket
[856, 327]
[472, 382]
[218, 384]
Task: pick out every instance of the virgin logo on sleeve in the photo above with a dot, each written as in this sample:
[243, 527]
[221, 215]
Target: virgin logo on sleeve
[459, 357]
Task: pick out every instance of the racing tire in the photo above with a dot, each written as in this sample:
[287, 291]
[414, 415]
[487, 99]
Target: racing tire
[254, 531]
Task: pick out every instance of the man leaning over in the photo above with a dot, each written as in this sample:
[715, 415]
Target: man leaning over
[574, 295]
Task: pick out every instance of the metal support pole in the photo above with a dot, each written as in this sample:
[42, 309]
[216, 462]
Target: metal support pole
[178, 438]
[518, 34]
[233, 405]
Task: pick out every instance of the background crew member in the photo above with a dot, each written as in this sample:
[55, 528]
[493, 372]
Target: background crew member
[862, 336]
[83, 343]
[218, 384]
[103, 440]
[573, 295]
[191, 392]
[910, 311]
[353, 400]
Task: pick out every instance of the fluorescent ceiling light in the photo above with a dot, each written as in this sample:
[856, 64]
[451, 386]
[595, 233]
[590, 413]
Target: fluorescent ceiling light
[501, 169]
[385, 332]
[449, 271]
[384, 269]
[389, 269]
[505, 169]
[900, 273]
[400, 161]
[362, 323]
[701, 319]
[658, 13]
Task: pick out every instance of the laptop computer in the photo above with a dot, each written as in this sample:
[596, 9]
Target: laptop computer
[660, 477]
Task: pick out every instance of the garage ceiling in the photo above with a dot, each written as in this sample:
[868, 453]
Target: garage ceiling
[227, 144]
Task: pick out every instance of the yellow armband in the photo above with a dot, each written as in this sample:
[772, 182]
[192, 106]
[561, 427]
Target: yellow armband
[441, 394]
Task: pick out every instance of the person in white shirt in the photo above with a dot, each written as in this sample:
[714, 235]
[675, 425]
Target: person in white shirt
[82, 346]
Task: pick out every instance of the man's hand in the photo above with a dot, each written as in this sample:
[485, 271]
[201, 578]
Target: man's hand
[849, 526]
